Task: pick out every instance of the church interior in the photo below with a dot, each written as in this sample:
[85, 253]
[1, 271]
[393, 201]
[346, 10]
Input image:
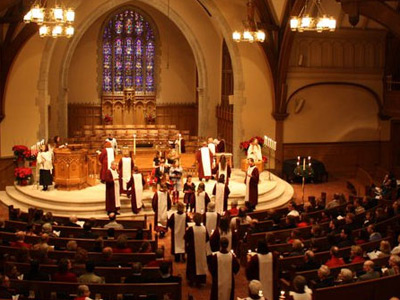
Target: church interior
[316, 82]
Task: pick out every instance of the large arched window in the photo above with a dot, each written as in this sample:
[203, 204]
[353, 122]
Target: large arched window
[128, 53]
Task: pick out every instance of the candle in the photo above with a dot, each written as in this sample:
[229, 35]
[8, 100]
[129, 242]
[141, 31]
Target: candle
[304, 163]
[134, 144]
[298, 158]
[179, 144]
[309, 158]
[274, 146]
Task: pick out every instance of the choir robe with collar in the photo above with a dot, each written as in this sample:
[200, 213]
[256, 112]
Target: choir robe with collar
[197, 249]
[222, 267]
[221, 192]
[189, 190]
[218, 171]
[105, 158]
[125, 168]
[201, 201]
[216, 236]
[112, 191]
[160, 209]
[211, 221]
[135, 188]
[251, 180]
[204, 159]
[178, 224]
[264, 268]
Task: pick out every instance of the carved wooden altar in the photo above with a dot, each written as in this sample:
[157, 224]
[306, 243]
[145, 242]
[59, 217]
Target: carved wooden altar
[129, 107]
[71, 168]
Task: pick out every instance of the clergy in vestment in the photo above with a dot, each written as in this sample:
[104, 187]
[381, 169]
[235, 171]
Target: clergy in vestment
[262, 266]
[125, 168]
[251, 180]
[223, 266]
[135, 188]
[113, 203]
[254, 150]
[178, 222]
[202, 199]
[204, 159]
[161, 204]
[211, 218]
[220, 147]
[113, 142]
[221, 192]
[106, 157]
[197, 250]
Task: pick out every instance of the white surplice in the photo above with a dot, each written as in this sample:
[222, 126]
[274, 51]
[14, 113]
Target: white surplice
[219, 197]
[211, 221]
[126, 171]
[224, 262]
[200, 246]
[200, 202]
[205, 160]
[265, 268]
[115, 176]
[162, 208]
[249, 172]
[137, 180]
[179, 232]
[110, 156]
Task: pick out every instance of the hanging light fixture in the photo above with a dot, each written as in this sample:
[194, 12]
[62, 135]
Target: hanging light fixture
[305, 21]
[250, 33]
[54, 21]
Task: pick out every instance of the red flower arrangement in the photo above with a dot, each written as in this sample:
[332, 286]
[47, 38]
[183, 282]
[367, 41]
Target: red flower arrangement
[22, 173]
[264, 159]
[29, 155]
[19, 152]
[246, 144]
[108, 119]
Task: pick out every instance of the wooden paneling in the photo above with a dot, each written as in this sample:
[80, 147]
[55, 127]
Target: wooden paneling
[184, 116]
[82, 114]
[7, 167]
[225, 125]
[339, 158]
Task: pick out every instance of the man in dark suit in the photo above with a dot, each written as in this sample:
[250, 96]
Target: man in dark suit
[324, 280]
[72, 222]
[309, 262]
[161, 170]
[165, 272]
[370, 272]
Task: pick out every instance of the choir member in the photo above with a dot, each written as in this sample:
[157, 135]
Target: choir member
[135, 188]
[197, 249]
[45, 163]
[223, 266]
[263, 267]
[202, 199]
[220, 148]
[113, 203]
[113, 142]
[161, 170]
[175, 173]
[254, 151]
[223, 231]
[178, 222]
[188, 190]
[161, 204]
[211, 218]
[172, 157]
[106, 157]
[221, 192]
[223, 168]
[156, 160]
[251, 181]
[125, 168]
[204, 159]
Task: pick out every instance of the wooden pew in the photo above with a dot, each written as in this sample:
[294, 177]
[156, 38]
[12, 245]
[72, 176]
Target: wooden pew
[124, 258]
[112, 291]
[69, 231]
[375, 289]
[110, 274]
[60, 243]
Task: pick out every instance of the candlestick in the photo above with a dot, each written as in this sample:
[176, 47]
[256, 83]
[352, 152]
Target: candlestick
[304, 163]
[134, 144]
[179, 144]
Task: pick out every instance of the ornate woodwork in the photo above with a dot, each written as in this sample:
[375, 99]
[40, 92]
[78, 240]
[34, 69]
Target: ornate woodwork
[129, 107]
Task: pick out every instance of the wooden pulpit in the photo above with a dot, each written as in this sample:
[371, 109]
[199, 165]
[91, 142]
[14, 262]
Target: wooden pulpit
[70, 167]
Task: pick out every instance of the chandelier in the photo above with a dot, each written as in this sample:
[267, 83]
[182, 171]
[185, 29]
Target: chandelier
[55, 21]
[250, 33]
[305, 21]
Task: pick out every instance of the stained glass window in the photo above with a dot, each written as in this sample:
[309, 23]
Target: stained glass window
[128, 53]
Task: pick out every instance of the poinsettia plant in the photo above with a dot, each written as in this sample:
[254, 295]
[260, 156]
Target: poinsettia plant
[19, 152]
[22, 173]
[108, 119]
[30, 155]
[246, 144]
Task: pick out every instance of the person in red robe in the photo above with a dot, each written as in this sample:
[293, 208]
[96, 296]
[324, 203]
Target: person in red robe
[135, 188]
[178, 223]
[221, 192]
[125, 169]
[204, 159]
[105, 158]
[188, 190]
[113, 203]
[251, 180]
[161, 203]
[197, 249]
[263, 266]
[223, 266]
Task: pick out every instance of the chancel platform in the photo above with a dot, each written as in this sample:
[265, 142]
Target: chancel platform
[89, 202]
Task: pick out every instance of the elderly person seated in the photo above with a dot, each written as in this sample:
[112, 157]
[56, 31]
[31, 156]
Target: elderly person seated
[72, 222]
[48, 229]
[309, 262]
[255, 288]
[20, 241]
[335, 260]
[297, 248]
[83, 293]
[370, 272]
[394, 266]
[300, 289]
[345, 276]
[324, 279]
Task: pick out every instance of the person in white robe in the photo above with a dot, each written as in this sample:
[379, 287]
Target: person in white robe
[161, 204]
[254, 151]
[113, 202]
[135, 188]
[221, 193]
[223, 266]
[202, 199]
[178, 222]
[211, 218]
[204, 158]
[106, 157]
[125, 168]
[45, 163]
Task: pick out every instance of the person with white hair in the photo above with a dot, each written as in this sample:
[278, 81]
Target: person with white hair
[255, 291]
[113, 202]
[345, 276]
[83, 293]
[324, 279]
